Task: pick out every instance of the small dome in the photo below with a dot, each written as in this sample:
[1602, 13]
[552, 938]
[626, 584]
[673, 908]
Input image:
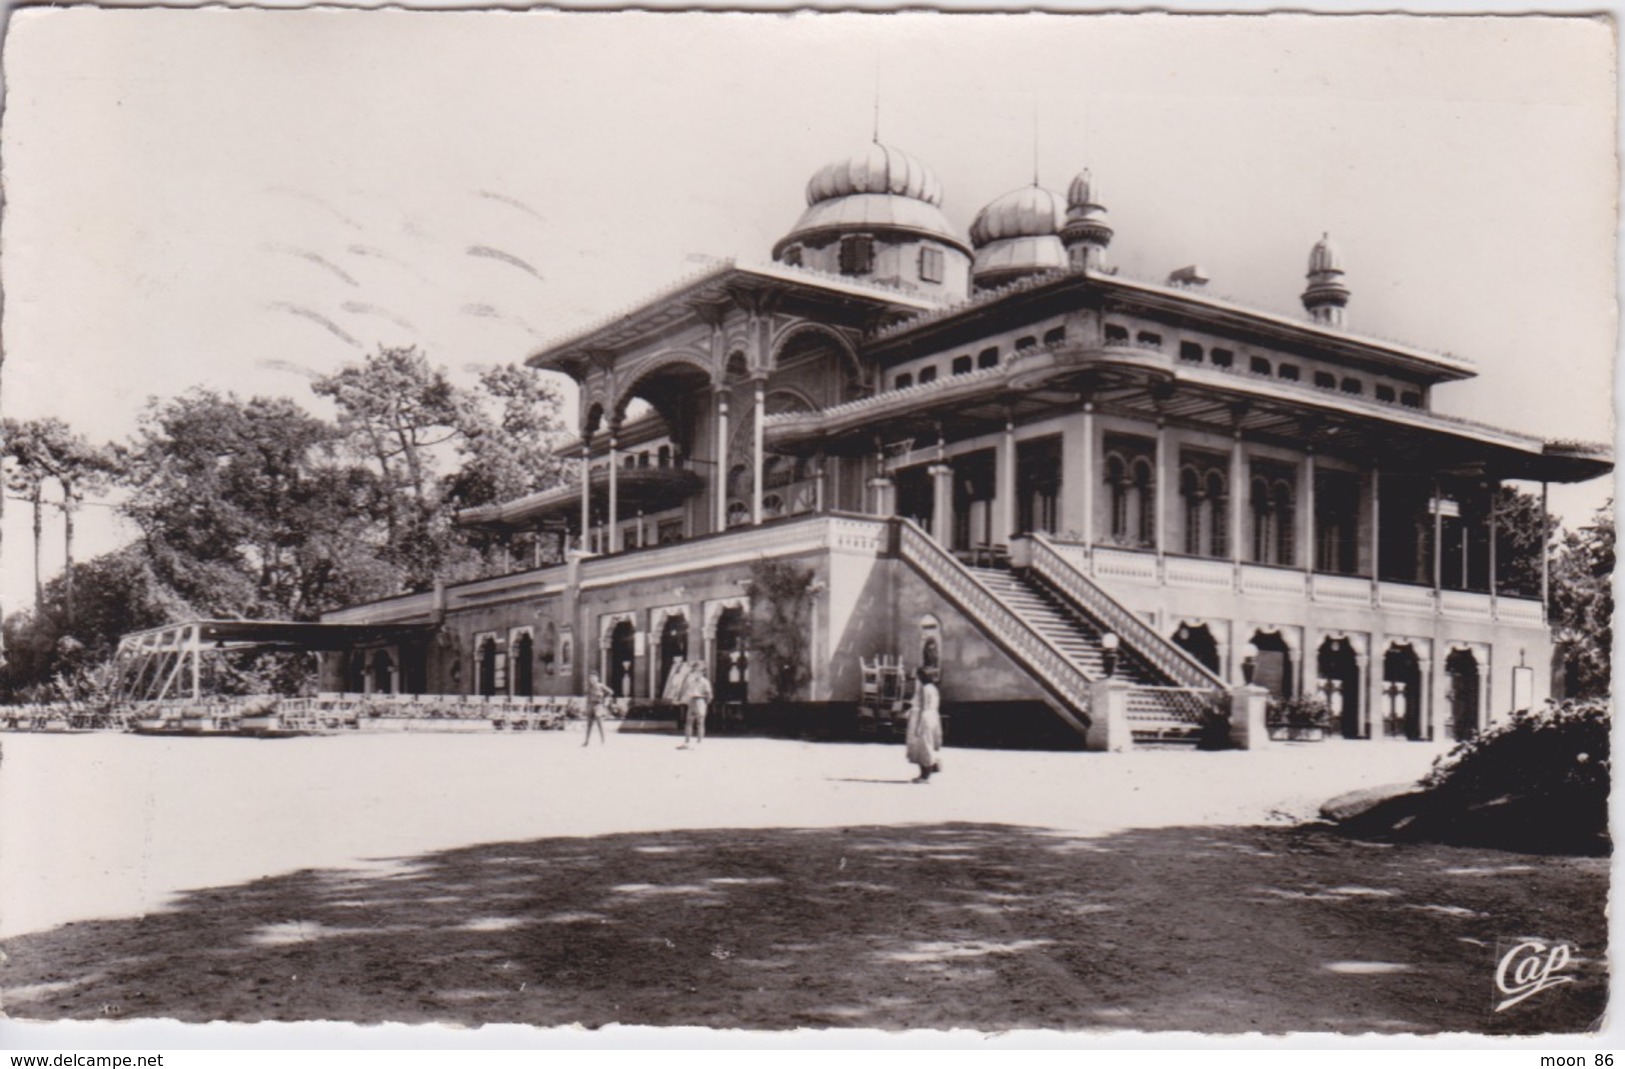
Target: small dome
[1082, 196]
[1324, 257]
[876, 169]
[1029, 212]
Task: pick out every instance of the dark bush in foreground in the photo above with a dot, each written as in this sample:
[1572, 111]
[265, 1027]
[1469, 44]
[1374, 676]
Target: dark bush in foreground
[1537, 782]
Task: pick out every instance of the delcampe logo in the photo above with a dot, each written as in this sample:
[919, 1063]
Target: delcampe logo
[1529, 967]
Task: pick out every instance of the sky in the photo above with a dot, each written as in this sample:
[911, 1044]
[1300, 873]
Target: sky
[240, 199]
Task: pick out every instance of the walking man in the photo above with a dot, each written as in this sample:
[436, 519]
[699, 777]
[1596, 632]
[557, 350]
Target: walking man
[698, 694]
[598, 698]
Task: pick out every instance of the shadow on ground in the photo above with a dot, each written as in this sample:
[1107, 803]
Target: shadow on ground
[938, 926]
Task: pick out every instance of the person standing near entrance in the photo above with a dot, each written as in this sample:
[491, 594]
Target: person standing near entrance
[925, 726]
[598, 698]
[697, 691]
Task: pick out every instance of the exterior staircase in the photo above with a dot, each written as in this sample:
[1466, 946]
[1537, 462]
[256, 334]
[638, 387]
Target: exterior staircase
[1159, 710]
[1067, 628]
[1049, 617]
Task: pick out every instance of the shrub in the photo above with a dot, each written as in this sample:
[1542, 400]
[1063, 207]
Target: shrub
[1541, 780]
[1298, 713]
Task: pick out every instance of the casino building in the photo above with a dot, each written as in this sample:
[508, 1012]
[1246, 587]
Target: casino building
[1094, 501]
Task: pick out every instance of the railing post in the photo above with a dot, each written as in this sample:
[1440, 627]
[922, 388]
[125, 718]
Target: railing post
[1249, 729]
[1109, 729]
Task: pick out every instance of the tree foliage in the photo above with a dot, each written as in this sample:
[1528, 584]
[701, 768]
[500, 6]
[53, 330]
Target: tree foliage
[245, 508]
[436, 447]
[781, 600]
[1523, 531]
[1582, 606]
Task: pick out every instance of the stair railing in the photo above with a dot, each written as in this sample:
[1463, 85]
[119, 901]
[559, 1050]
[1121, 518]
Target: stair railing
[1179, 666]
[1058, 672]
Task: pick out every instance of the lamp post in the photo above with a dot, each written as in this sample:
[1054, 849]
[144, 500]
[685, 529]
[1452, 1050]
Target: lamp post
[1108, 653]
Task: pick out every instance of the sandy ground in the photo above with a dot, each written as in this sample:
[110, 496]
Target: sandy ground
[751, 883]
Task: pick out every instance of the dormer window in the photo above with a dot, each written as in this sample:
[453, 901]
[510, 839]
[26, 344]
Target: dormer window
[857, 254]
[792, 256]
[930, 265]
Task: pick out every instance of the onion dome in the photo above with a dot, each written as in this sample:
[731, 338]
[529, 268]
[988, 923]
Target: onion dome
[877, 169]
[878, 190]
[1326, 295]
[1086, 234]
[1017, 234]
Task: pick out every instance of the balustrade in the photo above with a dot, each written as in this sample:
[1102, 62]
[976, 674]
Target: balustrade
[1167, 658]
[1057, 670]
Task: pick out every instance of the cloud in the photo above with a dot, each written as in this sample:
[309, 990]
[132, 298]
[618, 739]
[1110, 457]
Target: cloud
[503, 257]
[317, 318]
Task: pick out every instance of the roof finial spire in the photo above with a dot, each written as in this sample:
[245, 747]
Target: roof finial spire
[877, 101]
[1035, 142]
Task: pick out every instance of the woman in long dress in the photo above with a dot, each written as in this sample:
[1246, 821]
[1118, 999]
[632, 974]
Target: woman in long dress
[925, 726]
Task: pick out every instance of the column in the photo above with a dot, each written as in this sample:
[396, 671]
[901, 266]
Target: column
[1005, 517]
[720, 476]
[756, 452]
[1495, 505]
[1438, 541]
[586, 493]
[1091, 475]
[1431, 696]
[1377, 696]
[942, 502]
[1362, 669]
[819, 477]
[197, 661]
[614, 515]
[1307, 509]
[1159, 511]
[1238, 494]
[1545, 557]
[1376, 534]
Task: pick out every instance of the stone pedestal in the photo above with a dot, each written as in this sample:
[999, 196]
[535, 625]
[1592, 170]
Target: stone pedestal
[1248, 729]
[1108, 717]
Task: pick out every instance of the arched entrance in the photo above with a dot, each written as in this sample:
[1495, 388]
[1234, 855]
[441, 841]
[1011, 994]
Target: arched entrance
[1339, 671]
[732, 661]
[355, 672]
[1402, 693]
[488, 667]
[524, 665]
[673, 646]
[622, 652]
[1198, 641]
[1462, 668]
[383, 673]
[1272, 664]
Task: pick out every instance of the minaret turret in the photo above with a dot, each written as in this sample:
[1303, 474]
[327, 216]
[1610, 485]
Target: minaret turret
[1326, 296]
[1085, 234]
